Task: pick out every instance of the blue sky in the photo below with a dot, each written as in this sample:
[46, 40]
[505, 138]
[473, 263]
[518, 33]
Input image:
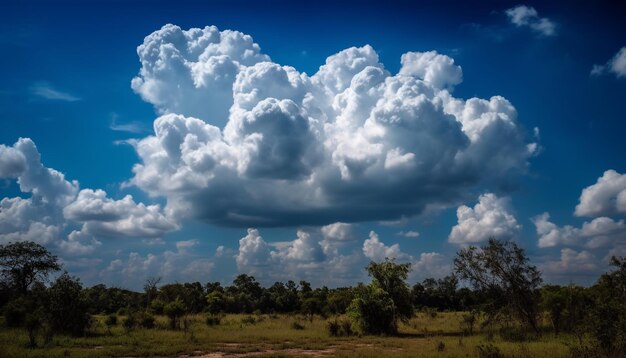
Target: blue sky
[383, 146]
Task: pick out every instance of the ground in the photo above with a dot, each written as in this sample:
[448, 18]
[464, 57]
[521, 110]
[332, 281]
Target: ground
[275, 336]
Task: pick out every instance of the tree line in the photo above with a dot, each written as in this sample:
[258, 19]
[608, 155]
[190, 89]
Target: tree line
[495, 285]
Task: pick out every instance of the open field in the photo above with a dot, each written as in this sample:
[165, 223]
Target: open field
[275, 336]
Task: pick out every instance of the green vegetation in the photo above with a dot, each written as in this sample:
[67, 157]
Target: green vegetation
[504, 312]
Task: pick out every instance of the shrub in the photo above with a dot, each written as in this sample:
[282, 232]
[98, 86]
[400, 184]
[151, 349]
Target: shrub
[468, 321]
[297, 326]
[441, 346]
[129, 322]
[174, 310]
[213, 320]
[14, 313]
[111, 320]
[248, 320]
[373, 312]
[339, 328]
[146, 320]
[489, 351]
[67, 310]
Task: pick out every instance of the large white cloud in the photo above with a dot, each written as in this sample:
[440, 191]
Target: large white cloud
[259, 144]
[606, 197]
[192, 72]
[616, 65]
[490, 217]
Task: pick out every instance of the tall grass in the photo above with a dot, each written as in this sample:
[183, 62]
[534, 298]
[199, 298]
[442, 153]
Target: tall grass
[421, 336]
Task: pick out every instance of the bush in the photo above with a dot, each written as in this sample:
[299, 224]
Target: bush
[339, 328]
[146, 320]
[67, 309]
[111, 320]
[441, 346]
[489, 351]
[213, 320]
[129, 322]
[468, 321]
[174, 310]
[297, 326]
[248, 320]
[373, 312]
[15, 313]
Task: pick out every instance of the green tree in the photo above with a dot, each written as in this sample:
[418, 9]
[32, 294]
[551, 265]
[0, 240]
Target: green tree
[174, 311]
[377, 307]
[608, 315]
[67, 308]
[372, 311]
[24, 263]
[501, 270]
[391, 277]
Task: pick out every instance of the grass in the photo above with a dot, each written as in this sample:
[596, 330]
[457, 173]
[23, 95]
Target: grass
[276, 336]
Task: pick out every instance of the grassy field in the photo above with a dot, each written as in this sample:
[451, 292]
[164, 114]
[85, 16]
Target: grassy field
[276, 336]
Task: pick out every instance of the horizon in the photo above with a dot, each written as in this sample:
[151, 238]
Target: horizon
[290, 142]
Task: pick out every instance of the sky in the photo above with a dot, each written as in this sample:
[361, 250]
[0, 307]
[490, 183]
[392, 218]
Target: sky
[199, 140]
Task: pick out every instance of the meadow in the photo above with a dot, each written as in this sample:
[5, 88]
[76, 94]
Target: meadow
[427, 334]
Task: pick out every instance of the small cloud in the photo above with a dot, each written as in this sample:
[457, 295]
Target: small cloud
[131, 127]
[409, 233]
[46, 91]
[616, 65]
[522, 16]
[153, 242]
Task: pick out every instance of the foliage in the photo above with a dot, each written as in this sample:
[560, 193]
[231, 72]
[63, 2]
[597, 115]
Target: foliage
[608, 315]
[174, 310]
[489, 351]
[24, 263]
[67, 310]
[391, 277]
[339, 328]
[373, 312]
[502, 272]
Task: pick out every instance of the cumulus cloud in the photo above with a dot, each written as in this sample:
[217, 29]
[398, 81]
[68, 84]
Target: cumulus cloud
[377, 251]
[103, 216]
[192, 72]
[350, 143]
[184, 263]
[490, 217]
[571, 262]
[438, 70]
[616, 65]
[305, 257]
[600, 232]
[523, 16]
[606, 197]
[56, 206]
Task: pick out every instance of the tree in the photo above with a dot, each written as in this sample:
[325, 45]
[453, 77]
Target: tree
[502, 271]
[377, 307]
[67, 308]
[150, 287]
[391, 277]
[607, 321]
[372, 311]
[174, 310]
[23, 263]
